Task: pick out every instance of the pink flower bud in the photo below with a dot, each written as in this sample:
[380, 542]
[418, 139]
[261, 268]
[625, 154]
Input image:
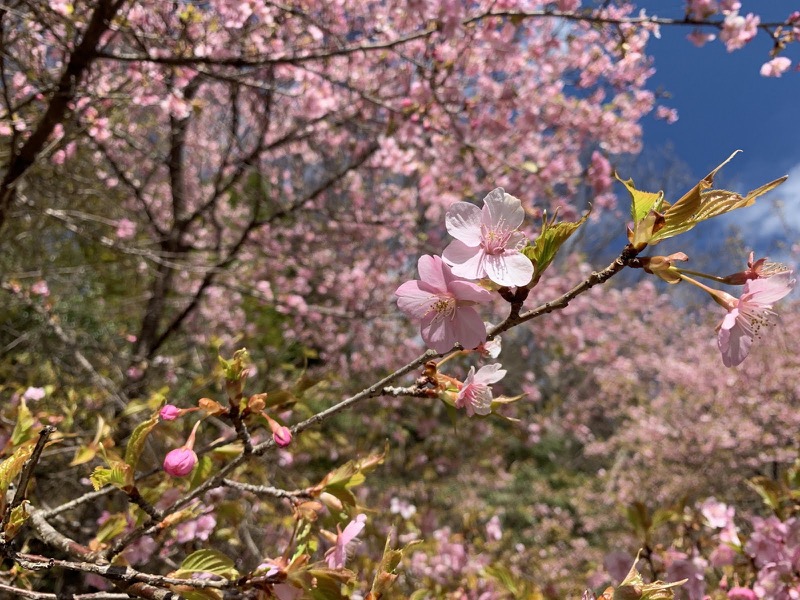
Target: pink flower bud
[282, 436]
[169, 412]
[180, 462]
[741, 593]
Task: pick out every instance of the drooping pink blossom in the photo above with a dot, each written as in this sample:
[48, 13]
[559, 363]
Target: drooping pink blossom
[776, 67]
[337, 556]
[443, 303]
[748, 314]
[476, 394]
[488, 242]
[700, 38]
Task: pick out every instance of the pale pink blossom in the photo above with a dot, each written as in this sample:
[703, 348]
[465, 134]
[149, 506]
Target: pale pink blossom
[487, 242]
[738, 30]
[476, 394]
[34, 393]
[748, 314]
[125, 229]
[776, 67]
[444, 305]
[717, 514]
[701, 9]
[723, 555]
[337, 556]
[700, 38]
[670, 115]
[40, 288]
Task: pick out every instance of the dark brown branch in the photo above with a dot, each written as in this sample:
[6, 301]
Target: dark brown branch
[321, 54]
[79, 62]
[27, 470]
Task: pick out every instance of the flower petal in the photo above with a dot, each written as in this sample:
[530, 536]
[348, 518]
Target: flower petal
[734, 340]
[765, 291]
[438, 333]
[432, 271]
[468, 328]
[463, 222]
[509, 269]
[489, 374]
[466, 291]
[502, 210]
[413, 300]
[465, 261]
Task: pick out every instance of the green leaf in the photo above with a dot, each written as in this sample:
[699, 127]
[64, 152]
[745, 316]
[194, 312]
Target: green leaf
[385, 577]
[771, 492]
[330, 584]
[684, 208]
[136, 442]
[83, 455]
[119, 475]
[23, 428]
[711, 203]
[642, 202]
[207, 561]
[546, 246]
[16, 520]
[11, 467]
[199, 594]
[639, 516]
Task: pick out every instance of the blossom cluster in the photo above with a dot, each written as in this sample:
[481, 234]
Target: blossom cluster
[488, 245]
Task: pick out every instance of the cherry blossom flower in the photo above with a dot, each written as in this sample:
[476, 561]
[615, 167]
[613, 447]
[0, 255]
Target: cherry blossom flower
[125, 229]
[34, 393]
[700, 38]
[776, 67]
[748, 314]
[476, 394]
[444, 305]
[738, 30]
[717, 514]
[337, 556]
[487, 242]
[756, 269]
[281, 434]
[40, 288]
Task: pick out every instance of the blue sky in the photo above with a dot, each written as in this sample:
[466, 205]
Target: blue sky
[724, 104]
